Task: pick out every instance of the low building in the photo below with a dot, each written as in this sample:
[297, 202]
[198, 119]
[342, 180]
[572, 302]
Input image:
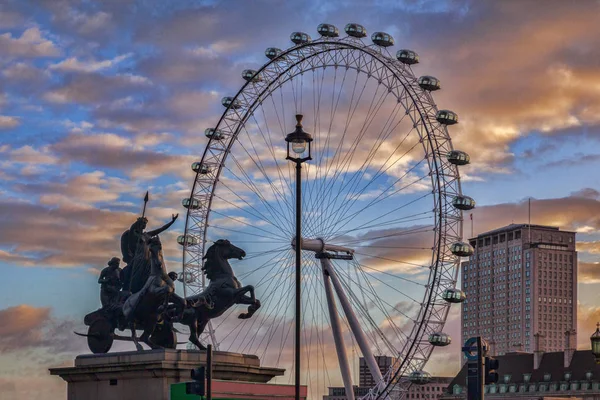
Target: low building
[432, 390]
[541, 375]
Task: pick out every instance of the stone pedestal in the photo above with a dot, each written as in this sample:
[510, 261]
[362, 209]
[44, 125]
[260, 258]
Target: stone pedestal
[149, 374]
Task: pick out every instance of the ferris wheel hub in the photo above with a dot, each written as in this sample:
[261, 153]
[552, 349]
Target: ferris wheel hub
[319, 246]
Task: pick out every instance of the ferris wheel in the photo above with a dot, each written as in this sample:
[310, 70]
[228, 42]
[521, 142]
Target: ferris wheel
[381, 212]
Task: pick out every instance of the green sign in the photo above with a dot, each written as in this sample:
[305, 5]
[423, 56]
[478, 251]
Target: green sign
[178, 393]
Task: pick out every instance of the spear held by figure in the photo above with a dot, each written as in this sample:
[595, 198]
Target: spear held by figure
[131, 237]
[145, 202]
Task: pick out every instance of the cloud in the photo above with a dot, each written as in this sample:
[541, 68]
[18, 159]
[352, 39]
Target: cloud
[23, 319]
[30, 44]
[107, 150]
[588, 272]
[73, 64]
[569, 213]
[94, 89]
[587, 317]
[29, 155]
[8, 122]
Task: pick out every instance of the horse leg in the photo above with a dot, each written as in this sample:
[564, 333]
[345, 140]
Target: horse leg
[242, 298]
[195, 333]
[134, 338]
[148, 329]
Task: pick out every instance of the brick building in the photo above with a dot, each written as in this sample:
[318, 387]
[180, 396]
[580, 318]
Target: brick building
[571, 374]
[430, 391]
[520, 281]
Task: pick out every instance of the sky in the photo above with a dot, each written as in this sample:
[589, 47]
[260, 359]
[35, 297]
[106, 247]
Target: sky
[101, 101]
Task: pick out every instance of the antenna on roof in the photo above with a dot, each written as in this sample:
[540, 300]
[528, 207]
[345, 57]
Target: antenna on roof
[472, 225]
[530, 221]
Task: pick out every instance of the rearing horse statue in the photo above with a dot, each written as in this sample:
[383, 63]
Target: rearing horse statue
[223, 291]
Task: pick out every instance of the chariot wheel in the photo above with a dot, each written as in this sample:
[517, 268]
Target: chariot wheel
[100, 336]
[381, 209]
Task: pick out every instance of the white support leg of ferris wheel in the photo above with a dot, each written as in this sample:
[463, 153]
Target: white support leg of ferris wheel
[337, 334]
[359, 335]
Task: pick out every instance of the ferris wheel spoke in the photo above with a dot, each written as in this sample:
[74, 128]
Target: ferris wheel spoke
[399, 334]
[253, 226]
[276, 193]
[257, 213]
[353, 196]
[271, 150]
[359, 175]
[375, 105]
[393, 211]
[317, 200]
[419, 229]
[345, 219]
[260, 323]
[260, 315]
[242, 277]
[362, 311]
[378, 142]
[332, 201]
[384, 307]
[275, 239]
[249, 184]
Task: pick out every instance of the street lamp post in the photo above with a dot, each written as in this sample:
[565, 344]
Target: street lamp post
[595, 339]
[299, 143]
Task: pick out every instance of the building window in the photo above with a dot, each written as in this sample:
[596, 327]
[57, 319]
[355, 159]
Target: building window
[547, 377]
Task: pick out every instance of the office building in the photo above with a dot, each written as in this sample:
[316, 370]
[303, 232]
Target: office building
[520, 281]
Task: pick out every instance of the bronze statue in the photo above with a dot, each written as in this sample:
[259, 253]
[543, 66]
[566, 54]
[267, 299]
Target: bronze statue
[143, 293]
[223, 291]
[130, 240]
[110, 283]
[146, 292]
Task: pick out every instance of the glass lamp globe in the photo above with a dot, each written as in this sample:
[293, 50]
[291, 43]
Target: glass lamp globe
[299, 146]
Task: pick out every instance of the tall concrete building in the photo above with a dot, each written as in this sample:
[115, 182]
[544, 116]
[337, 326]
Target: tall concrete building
[383, 362]
[520, 281]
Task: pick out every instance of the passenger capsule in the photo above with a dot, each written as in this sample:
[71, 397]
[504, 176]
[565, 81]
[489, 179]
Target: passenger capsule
[187, 240]
[463, 203]
[419, 377]
[272, 52]
[458, 157]
[453, 295]
[200, 168]
[213, 133]
[328, 30]
[407, 57]
[446, 117]
[300, 37]
[382, 39]
[229, 102]
[429, 83]
[355, 30]
[440, 339]
[251, 75]
[461, 249]
[192, 204]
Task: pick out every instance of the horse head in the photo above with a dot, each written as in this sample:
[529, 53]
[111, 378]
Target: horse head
[216, 258]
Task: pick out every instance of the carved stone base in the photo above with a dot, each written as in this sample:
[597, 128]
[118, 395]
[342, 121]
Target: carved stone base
[149, 374]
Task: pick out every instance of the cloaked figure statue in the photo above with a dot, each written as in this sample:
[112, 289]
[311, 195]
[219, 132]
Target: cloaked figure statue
[130, 246]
